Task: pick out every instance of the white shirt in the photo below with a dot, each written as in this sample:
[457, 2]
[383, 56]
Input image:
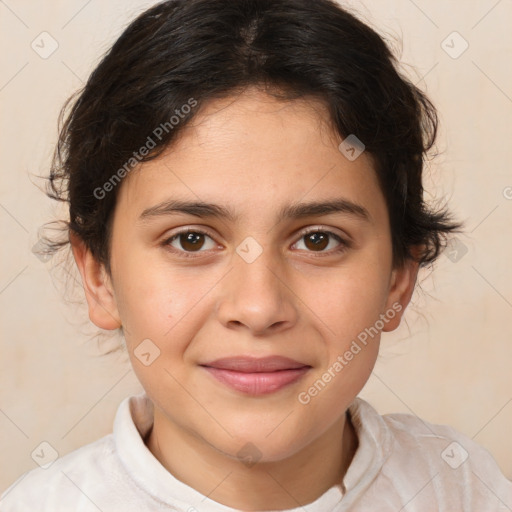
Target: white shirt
[402, 463]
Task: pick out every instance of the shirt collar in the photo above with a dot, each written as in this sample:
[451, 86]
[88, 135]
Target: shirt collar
[375, 447]
[134, 419]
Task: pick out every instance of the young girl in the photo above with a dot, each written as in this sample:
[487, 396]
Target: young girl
[245, 196]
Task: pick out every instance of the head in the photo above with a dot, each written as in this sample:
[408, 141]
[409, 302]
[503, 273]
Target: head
[300, 239]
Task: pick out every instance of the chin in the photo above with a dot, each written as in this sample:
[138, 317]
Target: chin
[258, 447]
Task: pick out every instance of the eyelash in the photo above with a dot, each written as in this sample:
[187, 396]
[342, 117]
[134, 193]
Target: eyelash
[344, 244]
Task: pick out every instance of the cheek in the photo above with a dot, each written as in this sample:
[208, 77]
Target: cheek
[161, 303]
[350, 300]
[349, 310]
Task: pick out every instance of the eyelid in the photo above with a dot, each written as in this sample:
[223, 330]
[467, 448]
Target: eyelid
[191, 229]
[324, 229]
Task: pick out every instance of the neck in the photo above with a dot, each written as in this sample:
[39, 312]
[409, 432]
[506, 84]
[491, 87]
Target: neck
[270, 485]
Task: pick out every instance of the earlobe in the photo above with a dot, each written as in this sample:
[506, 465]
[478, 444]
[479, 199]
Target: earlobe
[402, 285]
[97, 285]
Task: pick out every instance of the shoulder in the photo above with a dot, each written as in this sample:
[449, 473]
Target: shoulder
[107, 474]
[436, 444]
[63, 482]
[437, 462]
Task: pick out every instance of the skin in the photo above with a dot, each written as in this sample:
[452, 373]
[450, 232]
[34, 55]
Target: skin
[254, 154]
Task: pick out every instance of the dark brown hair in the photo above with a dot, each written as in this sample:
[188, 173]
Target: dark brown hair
[187, 52]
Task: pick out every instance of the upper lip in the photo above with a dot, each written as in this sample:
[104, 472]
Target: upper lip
[250, 364]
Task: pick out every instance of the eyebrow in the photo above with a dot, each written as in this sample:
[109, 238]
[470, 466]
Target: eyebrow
[292, 211]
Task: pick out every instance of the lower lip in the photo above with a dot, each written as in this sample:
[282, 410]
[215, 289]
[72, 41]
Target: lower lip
[257, 383]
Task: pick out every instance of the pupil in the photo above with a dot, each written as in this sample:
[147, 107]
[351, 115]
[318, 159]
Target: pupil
[191, 236]
[318, 240]
[194, 239]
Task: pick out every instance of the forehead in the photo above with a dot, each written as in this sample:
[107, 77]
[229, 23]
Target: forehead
[254, 153]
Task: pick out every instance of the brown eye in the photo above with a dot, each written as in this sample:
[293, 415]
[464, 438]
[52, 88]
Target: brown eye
[319, 240]
[189, 242]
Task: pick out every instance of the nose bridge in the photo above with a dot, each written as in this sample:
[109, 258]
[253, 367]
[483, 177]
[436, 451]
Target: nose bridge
[256, 295]
[257, 267]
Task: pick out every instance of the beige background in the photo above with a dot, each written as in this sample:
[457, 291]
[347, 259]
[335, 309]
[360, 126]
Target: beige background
[449, 363]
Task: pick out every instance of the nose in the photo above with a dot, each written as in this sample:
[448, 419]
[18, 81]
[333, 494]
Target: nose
[256, 296]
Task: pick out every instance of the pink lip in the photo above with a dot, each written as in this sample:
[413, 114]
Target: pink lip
[256, 376]
[250, 364]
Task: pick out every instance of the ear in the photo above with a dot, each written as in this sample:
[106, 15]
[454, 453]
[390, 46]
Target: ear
[401, 288]
[97, 286]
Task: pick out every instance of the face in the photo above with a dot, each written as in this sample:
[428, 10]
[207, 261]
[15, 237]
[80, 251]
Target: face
[259, 284]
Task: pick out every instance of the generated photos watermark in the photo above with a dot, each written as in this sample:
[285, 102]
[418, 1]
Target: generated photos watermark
[343, 360]
[144, 150]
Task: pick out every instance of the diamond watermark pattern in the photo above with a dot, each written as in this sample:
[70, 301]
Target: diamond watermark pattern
[40, 249]
[44, 45]
[249, 250]
[44, 455]
[454, 45]
[455, 250]
[146, 352]
[352, 148]
[249, 455]
[454, 455]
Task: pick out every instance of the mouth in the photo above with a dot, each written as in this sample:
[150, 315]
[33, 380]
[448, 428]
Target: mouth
[256, 376]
